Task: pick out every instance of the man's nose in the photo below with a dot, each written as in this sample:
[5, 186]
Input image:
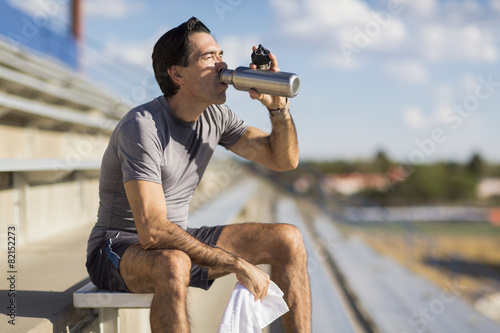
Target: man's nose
[220, 64]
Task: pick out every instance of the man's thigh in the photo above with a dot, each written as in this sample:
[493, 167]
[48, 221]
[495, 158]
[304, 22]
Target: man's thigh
[136, 268]
[257, 243]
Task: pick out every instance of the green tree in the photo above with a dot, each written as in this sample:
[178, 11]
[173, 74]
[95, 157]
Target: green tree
[381, 162]
[475, 165]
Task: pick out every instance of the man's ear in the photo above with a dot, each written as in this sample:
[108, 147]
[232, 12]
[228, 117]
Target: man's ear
[175, 74]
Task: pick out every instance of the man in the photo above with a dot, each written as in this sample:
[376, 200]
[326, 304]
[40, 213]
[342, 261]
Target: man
[150, 169]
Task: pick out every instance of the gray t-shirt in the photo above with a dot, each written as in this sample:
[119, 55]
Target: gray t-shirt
[150, 143]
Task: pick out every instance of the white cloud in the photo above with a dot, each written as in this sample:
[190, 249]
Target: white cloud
[443, 96]
[471, 6]
[336, 60]
[343, 29]
[427, 29]
[469, 83]
[338, 13]
[287, 7]
[111, 8]
[423, 8]
[40, 8]
[414, 117]
[495, 5]
[139, 54]
[127, 58]
[409, 70]
[443, 93]
[316, 14]
[237, 49]
[441, 43]
[53, 14]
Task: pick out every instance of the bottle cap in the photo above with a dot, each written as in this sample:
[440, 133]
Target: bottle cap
[260, 57]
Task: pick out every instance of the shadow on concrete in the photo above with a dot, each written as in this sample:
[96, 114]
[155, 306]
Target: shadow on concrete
[461, 266]
[276, 326]
[55, 306]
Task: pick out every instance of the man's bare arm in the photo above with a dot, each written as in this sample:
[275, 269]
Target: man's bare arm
[149, 209]
[279, 150]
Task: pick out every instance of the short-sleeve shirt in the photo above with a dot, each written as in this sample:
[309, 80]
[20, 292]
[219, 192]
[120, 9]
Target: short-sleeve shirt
[150, 143]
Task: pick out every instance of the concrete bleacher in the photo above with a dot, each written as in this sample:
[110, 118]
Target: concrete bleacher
[331, 311]
[54, 127]
[393, 298]
[35, 77]
[48, 271]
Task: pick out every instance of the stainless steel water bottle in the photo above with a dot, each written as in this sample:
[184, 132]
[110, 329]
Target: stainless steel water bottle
[264, 81]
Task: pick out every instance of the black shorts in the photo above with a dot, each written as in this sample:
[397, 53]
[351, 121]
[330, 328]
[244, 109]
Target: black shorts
[104, 261]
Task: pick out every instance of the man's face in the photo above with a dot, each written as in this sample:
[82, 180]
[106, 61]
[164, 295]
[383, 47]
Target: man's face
[203, 70]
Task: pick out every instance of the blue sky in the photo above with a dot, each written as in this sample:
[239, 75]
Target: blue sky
[419, 79]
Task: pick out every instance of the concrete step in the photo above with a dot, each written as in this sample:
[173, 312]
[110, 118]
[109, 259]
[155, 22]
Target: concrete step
[47, 274]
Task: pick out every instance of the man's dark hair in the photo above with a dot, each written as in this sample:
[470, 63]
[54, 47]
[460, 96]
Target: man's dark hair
[173, 49]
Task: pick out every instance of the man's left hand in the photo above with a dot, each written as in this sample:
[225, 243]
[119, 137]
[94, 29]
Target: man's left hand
[269, 101]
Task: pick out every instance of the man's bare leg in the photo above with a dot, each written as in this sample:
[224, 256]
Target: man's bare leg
[164, 273]
[282, 246]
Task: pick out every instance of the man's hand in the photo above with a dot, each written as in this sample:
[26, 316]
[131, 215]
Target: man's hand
[269, 101]
[254, 279]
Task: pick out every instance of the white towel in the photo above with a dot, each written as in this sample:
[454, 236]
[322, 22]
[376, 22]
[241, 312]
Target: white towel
[245, 315]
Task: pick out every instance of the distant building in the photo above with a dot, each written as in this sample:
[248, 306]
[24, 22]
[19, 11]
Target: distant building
[488, 187]
[355, 182]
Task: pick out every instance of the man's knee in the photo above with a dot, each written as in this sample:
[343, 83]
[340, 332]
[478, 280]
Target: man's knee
[291, 242]
[172, 268]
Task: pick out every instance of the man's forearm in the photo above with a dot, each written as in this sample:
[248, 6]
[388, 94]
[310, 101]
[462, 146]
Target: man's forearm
[283, 140]
[170, 236]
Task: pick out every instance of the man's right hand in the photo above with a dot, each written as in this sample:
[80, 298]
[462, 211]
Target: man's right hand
[254, 279]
